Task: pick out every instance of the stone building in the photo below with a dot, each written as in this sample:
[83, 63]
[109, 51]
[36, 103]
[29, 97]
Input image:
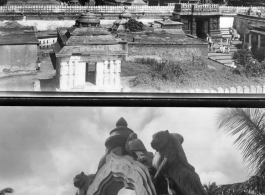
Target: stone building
[199, 20]
[18, 49]
[88, 58]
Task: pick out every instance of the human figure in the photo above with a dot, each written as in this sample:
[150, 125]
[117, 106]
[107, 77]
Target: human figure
[38, 64]
[210, 43]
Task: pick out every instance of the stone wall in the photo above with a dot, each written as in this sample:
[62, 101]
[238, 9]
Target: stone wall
[242, 23]
[233, 90]
[18, 57]
[164, 51]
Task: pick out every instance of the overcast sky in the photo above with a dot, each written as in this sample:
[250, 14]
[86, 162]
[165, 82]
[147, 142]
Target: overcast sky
[43, 148]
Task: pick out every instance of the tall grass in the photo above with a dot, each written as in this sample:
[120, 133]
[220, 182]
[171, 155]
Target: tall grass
[168, 75]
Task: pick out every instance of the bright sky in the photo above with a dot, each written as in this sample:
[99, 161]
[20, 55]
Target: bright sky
[43, 148]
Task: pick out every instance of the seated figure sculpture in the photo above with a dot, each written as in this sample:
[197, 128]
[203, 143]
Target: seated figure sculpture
[136, 149]
[171, 162]
[82, 182]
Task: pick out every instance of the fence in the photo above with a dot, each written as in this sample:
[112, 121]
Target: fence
[226, 10]
[220, 90]
[80, 9]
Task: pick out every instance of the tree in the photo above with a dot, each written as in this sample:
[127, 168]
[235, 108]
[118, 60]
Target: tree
[2, 2]
[6, 190]
[210, 188]
[249, 125]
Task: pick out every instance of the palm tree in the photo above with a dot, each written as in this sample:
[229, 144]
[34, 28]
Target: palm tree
[210, 188]
[249, 125]
[6, 190]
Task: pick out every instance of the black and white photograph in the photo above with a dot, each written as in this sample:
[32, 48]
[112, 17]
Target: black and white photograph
[132, 151]
[133, 46]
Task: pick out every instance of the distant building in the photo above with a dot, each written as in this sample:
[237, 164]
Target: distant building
[88, 57]
[18, 49]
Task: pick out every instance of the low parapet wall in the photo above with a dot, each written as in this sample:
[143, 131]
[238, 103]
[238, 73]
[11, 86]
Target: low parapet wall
[159, 10]
[233, 90]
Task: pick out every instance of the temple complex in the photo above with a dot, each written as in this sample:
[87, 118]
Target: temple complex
[33, 2]
[88, 57]
[199, 20]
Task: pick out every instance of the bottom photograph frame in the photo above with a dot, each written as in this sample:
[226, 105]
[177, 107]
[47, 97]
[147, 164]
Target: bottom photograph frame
[132, 150]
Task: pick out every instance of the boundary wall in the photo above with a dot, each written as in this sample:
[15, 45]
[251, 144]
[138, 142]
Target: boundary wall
[234, 90]
[225, 10]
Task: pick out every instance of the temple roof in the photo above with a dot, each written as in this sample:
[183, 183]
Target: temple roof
[92, 40]
[18, 36]
[74, 31]
[105, 50]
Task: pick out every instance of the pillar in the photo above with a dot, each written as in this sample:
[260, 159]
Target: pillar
[63, 80]
[258, 41]
[99, 73]
[71, 74]
[80, 74]
[106, 73]
[111, 73]
[244, 39]
[117, 71]
[194, 26]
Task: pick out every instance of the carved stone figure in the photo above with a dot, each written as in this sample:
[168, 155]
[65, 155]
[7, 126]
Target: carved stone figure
[82, 182]
[170, 160]
[136, 148]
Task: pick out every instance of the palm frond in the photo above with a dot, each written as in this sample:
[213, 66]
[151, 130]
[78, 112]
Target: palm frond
[249, 125]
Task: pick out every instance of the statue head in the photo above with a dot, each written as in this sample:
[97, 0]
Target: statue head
[160, 140]
[132, 136]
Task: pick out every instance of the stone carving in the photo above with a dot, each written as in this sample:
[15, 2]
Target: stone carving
[170, 161]
[136, 148]
[82, 182]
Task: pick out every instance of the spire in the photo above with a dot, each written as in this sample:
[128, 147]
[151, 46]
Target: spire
[119, 135]
[121, 123]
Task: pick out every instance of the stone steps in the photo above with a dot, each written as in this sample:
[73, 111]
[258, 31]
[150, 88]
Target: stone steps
[224, 58]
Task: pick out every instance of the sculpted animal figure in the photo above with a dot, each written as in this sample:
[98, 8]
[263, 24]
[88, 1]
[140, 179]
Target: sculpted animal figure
[172, 163]
[136, 148]
[82, 182]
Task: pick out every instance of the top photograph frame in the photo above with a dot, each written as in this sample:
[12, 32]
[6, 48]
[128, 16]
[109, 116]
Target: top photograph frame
[133, 46]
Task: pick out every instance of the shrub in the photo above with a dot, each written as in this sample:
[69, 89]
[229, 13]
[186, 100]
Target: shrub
[259, 54]
[133, 25]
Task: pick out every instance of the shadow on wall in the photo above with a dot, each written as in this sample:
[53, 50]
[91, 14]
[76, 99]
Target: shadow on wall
[53, 59]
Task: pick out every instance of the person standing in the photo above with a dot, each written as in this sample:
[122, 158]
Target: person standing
[38, 64]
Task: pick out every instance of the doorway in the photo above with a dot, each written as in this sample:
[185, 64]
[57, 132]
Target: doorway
[202, 28]
[91, 73]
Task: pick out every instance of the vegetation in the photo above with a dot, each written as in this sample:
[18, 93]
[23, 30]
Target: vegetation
[193, 74]
[210, 188]
[6, 190]
[249, 64]
[133, 25]
[249, 125]
[3, 2]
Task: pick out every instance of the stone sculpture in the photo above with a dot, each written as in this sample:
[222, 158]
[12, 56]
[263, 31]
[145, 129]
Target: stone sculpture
[171, 162]
[136, 148]
[82, 182]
